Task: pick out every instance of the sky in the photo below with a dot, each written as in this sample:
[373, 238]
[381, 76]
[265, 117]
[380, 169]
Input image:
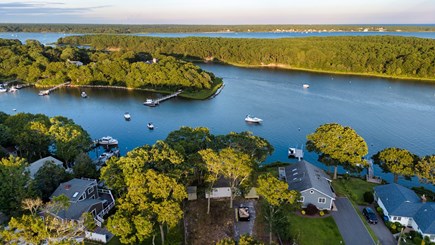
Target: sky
[223, 12]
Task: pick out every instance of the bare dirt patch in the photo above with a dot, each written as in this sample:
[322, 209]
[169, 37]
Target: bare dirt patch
[203, 228]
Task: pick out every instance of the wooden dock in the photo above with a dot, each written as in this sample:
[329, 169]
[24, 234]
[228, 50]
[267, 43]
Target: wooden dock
[152, 103]
[48, 91]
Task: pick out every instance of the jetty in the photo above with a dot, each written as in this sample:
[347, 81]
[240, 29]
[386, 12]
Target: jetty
[48, 91]
[370, 177]
[152, 103]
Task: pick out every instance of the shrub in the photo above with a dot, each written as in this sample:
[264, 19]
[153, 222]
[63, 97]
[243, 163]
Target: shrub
[417, 240]
[303, 212]
[368, 197]
[311, 209]
[321, 213]
[380, 210]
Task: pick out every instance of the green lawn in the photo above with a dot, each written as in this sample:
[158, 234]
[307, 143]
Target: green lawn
[353, 188]
[307, 230]
[204, 93]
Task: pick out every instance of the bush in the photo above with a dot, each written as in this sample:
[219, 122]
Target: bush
[417, 240]
[380, 210]
[312, 209]
[303, 212]
[368, 197]
[321, 213]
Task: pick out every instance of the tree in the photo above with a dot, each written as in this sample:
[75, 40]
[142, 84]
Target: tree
[214, 169]
[277, 195]
[338, 145]
[397, 161]
[14, 180]
[48, 178]
[425, 169]
[83, 167]
[5, 135]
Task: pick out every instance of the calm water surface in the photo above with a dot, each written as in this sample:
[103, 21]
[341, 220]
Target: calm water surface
[385, 112]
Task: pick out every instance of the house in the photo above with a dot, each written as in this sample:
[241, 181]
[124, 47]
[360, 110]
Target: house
[84, 196]
[312, 182]
[402, 205]
[221, 188]
[75, 62]
[35, 166]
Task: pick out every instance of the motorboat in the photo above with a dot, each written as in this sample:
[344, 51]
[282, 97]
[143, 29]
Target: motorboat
[3, 89]
[150, 125]
[19, 86]
[150, 102]
[44, 92]
[107, 140]
[84, 95]
[127, 116]
[102, 159]
[306, 85]
[251, 119]
[13, 89]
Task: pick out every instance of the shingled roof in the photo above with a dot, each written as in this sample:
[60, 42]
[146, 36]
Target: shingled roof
[73, 189]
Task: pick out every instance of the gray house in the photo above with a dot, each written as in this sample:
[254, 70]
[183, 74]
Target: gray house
[402, 205]
[84, 196]
[312, 182]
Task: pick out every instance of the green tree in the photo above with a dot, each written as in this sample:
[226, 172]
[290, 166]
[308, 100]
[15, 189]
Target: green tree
[396, 161]
[5, 135]
[14, 180]
[425, 169]
[48, 178]
[83, 167]
[277, 195]
[338, 145]
[214, 167]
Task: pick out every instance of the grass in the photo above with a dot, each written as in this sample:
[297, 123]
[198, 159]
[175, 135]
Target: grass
[314, 230]
[353, 188]
[204, 93]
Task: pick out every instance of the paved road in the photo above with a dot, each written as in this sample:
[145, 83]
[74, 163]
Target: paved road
[245, 227]
[381, 231]
[349, 223]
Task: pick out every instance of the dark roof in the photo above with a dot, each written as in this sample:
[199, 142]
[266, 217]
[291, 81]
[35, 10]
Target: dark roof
[303, 175]
[70, 188]
[397, 199]
[76, 210]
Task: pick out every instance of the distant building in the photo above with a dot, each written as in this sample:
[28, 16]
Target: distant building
[221, 189]
[312, 182]
[35, 166]
[75, 62]
[402, 205]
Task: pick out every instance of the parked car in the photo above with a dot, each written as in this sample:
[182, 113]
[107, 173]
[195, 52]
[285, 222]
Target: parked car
[243, 213]
[370, 215]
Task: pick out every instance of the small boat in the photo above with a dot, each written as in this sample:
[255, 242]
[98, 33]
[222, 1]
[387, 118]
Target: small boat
[3, 90]
[150, 102]
[150, 125]
[44, 92]
[107, 141]
[19, 86]
[12, 90]
[127, 116]
[306, 85]
[250, 119]
[83, 94]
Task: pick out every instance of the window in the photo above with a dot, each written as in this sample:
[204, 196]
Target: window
[82, 197]
[311, 192]
[90, 190]
[322, 200]
[302, 199]
[397, 218]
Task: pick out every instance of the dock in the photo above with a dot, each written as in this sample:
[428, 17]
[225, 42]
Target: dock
[295, 153]
[370, 174]
[48, 91]
[152, 103]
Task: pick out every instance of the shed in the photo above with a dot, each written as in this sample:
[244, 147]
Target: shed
[252, 194]
[191, 193]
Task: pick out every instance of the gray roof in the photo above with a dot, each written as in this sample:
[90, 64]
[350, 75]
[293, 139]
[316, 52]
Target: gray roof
[35, 166]
[398, 200]
[401, 201]
[70, 188]
[303, 175]
[76, 210]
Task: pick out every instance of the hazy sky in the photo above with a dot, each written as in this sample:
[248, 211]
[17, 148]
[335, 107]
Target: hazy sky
[219, 11]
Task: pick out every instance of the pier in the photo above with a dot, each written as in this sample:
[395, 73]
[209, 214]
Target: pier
[370, 174]
[152, 103]
[48, 91]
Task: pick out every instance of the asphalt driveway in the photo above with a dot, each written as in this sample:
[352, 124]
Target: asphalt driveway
[245, 227]
[349, 223]
[381, 231]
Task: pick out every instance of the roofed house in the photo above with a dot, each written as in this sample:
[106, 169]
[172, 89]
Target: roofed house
[221, 188]
[35, 166]
[312, 182]
[402, 205]
[84, 196]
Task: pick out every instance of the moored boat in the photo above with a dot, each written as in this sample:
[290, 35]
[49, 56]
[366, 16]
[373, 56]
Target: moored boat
[44, 92]
[3, 89]
[12, 89]
[127, 116]
[107, 140]
[150, 125]
[150, 102]
[306, 85]
[84, 95]
[251, 119]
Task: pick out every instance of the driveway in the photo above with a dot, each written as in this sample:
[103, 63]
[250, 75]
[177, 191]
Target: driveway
[381, 231]
[245, 227]
[349, 223]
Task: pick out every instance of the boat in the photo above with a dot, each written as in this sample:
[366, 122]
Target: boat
[150, 102]
[150, 125]
[3, 89]
[44, 92]
[127, 116]
[107, 141]
[250, 119]
[19, 86]
[102, 159]
[83, 94]
[306, 85]
[13, 89]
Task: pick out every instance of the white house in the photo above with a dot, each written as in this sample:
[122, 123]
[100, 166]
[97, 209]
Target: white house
[402, 205]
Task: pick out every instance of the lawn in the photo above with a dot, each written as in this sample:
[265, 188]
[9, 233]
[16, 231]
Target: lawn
[308, 230]
[353, 188]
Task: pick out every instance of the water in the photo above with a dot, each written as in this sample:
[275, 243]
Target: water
[51, 37]
[384, 112]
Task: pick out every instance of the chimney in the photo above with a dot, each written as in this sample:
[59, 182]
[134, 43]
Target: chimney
[67, 187]
[423, 198]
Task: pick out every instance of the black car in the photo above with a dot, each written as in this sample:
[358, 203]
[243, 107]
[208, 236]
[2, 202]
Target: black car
[370, 215]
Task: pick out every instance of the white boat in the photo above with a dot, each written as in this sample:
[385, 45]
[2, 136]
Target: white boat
[44, 92]
[306, 85]
[107, 141]
[250, 119]
[127, 116]
[13, 89]
[102, 159]
[150, 125]
[150, 102]
[83, 94]
[3, 90]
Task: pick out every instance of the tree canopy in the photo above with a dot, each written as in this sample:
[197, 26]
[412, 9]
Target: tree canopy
[397, 161]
